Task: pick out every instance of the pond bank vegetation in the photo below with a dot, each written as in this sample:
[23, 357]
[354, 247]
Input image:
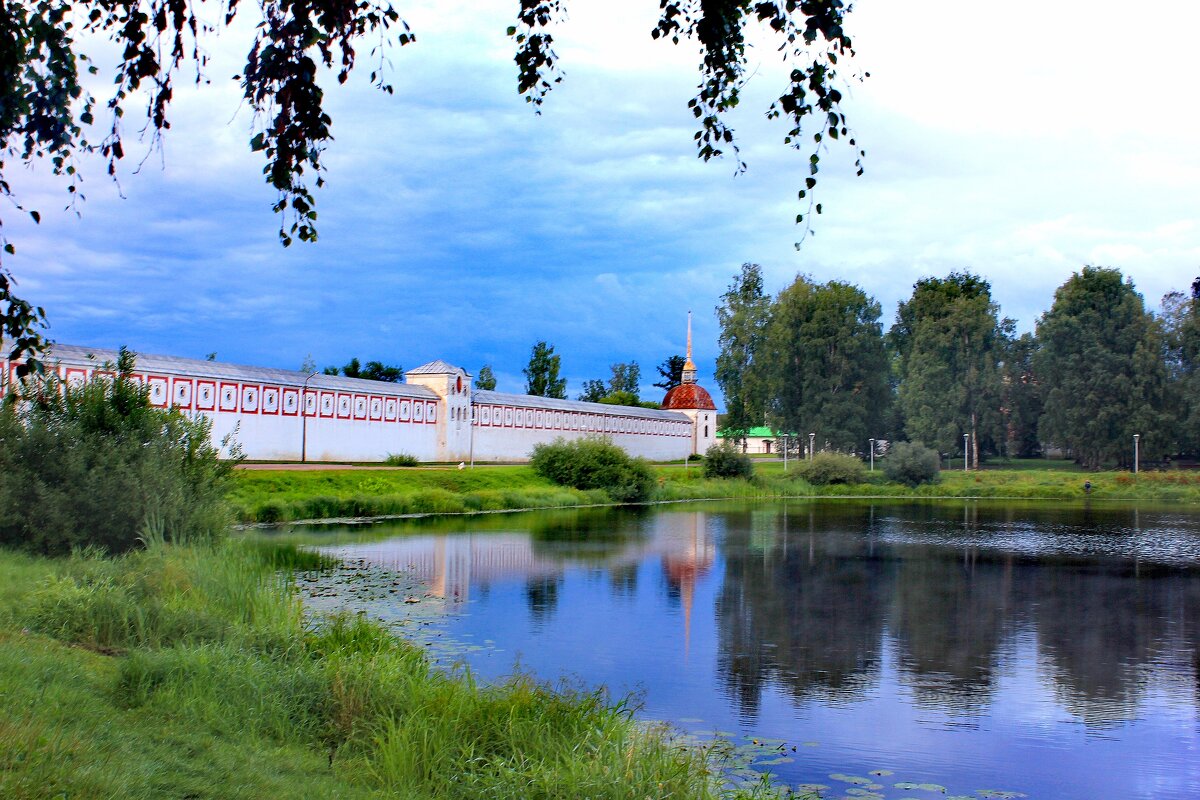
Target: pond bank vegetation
[271, 496]
[191, 671]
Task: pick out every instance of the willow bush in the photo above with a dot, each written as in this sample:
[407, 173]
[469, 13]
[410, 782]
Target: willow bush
[95, 465]
[594, 463]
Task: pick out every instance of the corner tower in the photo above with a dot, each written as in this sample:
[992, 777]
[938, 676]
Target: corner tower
[692, 399]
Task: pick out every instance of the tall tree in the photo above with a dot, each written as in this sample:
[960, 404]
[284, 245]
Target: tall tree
[743, 316]
[485, 379]
[626, 378]
[671, 372]
[541, 375]
[1101, 367]
[1180, 322]
[1021, 398]
[48, 115]
[594, 391]
[948, 344]
[828, 369]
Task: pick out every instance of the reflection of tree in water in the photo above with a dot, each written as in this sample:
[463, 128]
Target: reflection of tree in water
[805, 601]
[950, 615]
[587, 534]
[1099, 628]
[803, 609]
[622, 579]
[541, 593]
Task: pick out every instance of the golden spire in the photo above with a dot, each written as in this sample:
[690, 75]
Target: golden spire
[689, 367]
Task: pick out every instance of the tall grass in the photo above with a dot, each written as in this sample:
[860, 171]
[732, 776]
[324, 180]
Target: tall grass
[212, 641]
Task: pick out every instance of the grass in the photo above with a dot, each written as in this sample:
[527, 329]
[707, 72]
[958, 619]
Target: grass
[192, 672]
[280, 496]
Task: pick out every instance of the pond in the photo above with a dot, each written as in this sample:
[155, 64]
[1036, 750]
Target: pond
[895, 650]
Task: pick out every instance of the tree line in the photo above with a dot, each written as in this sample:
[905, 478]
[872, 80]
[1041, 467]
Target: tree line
[953, 374]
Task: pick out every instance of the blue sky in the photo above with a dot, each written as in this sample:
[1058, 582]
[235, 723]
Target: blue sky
[457, 224]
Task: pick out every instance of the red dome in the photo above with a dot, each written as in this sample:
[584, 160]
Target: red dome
[689, 396]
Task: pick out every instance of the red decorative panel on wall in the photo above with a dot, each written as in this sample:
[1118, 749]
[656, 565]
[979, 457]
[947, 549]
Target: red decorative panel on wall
[391, 408]
[206, 395]
[251, 396]
[418, 411]
[405, 410]
[431, 412]
[182, 392]
[270, 400]
[289, 402]
[344, 405]
[360, 406]
[227, 398]
[76, 376]
[328, 404]
[159, 390]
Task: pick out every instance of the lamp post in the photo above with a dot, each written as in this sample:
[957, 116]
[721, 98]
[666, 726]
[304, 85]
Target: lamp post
[872, 455]
[785, 453]
[304, 418]
[966, 442]
[812, 437]
[1136, 436]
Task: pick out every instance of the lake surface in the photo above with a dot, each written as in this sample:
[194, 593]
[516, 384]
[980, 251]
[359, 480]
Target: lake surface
[1024, 650]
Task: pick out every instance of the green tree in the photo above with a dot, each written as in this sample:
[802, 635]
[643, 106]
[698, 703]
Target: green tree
[828, 368]
[1180, 322]
[743, 316]
[594, 391]
[47, 115]
[626, 379]
[671, 372]
[541, 375]
[371, 371]
[1021, 397]
[948, 344]
[1101, 367]
[485, 380]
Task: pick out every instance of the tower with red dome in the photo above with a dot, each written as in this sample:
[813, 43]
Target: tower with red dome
[692, 399]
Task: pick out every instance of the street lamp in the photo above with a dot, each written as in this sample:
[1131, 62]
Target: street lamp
[1136, 436]
[966, 439]
[304, 418]
[872, 455]
[811, 445]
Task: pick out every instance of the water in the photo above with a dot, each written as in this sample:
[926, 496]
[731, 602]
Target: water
[1021, 649]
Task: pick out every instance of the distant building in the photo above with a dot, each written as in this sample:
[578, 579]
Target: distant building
[758, 440]
[285, 415]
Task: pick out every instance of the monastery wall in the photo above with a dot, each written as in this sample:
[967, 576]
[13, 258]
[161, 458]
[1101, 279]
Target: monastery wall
[434, 416]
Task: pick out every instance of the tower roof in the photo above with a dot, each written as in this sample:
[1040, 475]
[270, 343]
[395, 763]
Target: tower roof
[691, 396]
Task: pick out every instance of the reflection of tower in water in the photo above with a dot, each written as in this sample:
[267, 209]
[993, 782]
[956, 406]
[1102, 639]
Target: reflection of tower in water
[689, 554]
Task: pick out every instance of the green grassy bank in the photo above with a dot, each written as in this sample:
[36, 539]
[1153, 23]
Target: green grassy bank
[191, 672]
[281, 495]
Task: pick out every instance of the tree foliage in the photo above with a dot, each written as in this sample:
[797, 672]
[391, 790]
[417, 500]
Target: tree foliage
[726, 460]
[541, 374]
[96, 465]
[621, 389]
[1100, 364]
[912, 463]
[46, 115]
[485, 379]
[741, 373]
[949, 342]
[593, 463]
[828, 367]
[671, 372]
[371, 371]
[1020, 397]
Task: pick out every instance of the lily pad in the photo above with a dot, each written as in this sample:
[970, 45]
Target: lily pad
[855, 779]
[880, 773]
[927, 787]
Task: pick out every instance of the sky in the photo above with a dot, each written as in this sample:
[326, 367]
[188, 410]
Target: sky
[1020, 143]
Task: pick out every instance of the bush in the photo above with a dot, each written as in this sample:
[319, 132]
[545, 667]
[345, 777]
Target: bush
[727, 461]
[96, 465]
[912, 463]
[401, 460]
[593, 463]
[829, 468]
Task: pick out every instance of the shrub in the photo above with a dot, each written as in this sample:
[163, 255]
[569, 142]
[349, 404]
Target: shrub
[727, 461]
[593, 463]
[96, 465]
[829, 468]
[912, 463]
[401, 460]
